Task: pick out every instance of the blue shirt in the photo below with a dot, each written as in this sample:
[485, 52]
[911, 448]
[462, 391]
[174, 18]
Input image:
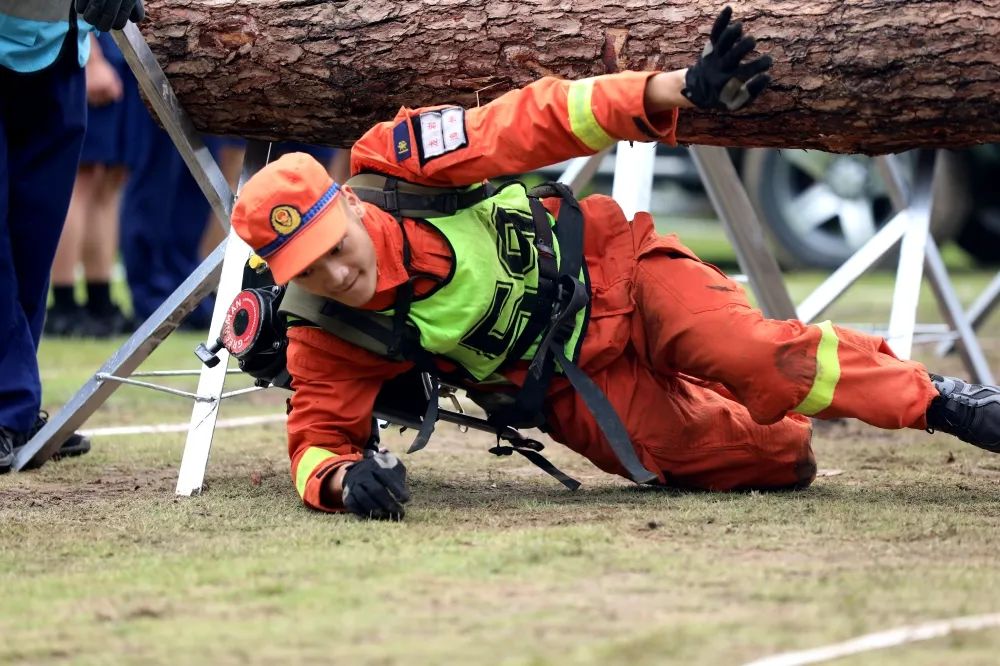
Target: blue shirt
[28, 45]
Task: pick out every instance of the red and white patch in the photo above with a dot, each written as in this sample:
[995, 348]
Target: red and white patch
[442, 132]
[453, 128]
[431, 135]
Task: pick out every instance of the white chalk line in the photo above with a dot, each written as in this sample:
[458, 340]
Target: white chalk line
[880, 640]
[238, 422]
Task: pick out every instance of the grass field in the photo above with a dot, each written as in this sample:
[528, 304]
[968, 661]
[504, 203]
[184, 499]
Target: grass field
[496, 563]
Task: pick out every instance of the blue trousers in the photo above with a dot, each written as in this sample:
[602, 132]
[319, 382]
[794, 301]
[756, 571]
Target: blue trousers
[163, 217]
[43, 116]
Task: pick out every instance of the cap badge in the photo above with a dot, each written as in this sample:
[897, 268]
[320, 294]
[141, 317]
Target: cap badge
[285, 219]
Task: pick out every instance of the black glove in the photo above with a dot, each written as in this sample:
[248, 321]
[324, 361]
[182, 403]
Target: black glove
[718, 80]
[375, 487]
[110, 14]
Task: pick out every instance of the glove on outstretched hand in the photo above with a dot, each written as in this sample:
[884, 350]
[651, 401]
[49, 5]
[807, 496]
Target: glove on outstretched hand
[110, 14]
[718, 80]
[375, 487]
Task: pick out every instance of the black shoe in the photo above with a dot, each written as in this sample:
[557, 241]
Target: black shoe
[971, 412]
[120, 323]
[7, 438]
[62, 322]
[107, 324]
[75, 445]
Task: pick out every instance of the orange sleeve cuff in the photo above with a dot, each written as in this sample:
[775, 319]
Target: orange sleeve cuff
[315, 496]
[619, 108]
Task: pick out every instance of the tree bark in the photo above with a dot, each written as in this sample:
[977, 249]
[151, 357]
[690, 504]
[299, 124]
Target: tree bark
[869, 76]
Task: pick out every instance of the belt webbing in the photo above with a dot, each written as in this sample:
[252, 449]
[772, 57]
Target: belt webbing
[402, 198]
[607, 418]
[446, 204]
[378, 329]
[548, 273]
[530, 448]
[571, 297]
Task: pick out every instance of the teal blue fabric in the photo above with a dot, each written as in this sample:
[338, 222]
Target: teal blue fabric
[28, 45]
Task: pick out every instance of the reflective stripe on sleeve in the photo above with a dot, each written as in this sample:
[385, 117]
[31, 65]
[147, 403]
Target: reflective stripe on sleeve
[310, 460]
[827, 373]
[581, 116]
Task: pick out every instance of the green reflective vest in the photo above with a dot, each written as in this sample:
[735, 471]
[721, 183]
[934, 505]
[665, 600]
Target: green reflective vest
[474, 317]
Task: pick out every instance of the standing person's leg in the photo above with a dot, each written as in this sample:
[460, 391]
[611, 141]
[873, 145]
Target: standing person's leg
[190, 215]
[147, 217]
[230, 154]
[164, 214]
[66, 316]
[100, 251]
[11, 315]
[43, 168]
[339, 165]
[141, 197]
[109, 84]
[43, 141]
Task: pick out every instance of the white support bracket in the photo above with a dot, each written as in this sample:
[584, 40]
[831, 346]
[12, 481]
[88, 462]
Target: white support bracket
[211, 383]
[909, 229]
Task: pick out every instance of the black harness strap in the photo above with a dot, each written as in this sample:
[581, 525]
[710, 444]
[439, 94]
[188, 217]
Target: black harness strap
[607, 419]
[529, 448]
[378, 329]
[429, 419]
[444, 203]
[569, 226]
[404, 293]
[548, 275]
[571, 297]
[409, 349]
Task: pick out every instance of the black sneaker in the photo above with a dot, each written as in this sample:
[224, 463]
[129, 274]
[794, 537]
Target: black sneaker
[7, 438]
[63, 322]
[971, 412]
[75, 445]
[103, 325]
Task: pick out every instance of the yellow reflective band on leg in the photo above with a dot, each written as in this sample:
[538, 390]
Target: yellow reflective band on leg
[310, 460]
[827, 373]
[581, 116]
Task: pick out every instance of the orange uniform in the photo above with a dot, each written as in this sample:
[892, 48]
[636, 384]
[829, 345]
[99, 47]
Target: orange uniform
[713, 394]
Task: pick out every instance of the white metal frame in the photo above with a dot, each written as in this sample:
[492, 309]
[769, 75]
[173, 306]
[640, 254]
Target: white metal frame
[910, 229]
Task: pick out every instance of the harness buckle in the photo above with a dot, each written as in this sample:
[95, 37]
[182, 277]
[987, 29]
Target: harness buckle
[545, 250]
[449, 203]
[391, 201]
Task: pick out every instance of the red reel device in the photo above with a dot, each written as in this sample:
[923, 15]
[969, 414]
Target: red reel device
[254, 333]
[241, 328]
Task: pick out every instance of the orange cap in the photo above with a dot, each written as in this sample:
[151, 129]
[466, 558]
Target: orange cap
[288, 213]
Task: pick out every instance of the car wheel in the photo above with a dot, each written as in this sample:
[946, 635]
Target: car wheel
[820, 208]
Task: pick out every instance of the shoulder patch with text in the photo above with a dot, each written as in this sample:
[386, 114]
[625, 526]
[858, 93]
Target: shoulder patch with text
[401, 141]
[440, 132]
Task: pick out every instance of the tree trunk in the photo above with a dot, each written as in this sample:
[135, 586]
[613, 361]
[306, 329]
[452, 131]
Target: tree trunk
[878, 76]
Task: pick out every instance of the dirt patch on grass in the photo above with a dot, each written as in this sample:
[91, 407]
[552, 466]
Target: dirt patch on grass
[110, 483]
